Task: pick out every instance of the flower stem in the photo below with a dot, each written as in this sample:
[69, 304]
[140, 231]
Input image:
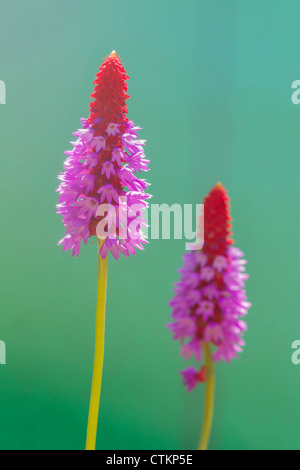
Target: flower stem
[99, 353]
[209, 398]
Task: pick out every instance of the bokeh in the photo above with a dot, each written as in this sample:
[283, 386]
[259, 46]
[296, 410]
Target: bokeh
[210, 83]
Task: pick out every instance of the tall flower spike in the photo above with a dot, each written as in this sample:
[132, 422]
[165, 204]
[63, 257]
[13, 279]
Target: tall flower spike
[101, 195]
[210, 300]
[101, 169]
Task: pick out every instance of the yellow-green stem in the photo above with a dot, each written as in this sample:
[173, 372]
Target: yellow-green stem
[99, 353]
[209, 398]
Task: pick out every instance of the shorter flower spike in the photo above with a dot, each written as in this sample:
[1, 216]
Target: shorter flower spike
[210, 300]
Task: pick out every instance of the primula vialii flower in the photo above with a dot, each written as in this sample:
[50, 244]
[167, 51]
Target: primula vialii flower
[101, 195]
[100, 169]
[210, 300]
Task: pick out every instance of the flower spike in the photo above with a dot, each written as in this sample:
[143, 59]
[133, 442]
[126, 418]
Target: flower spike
[101, 195]
[101, 167]
[210, 300]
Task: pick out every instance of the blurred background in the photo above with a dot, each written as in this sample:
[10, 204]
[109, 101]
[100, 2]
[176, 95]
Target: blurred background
[210, 83]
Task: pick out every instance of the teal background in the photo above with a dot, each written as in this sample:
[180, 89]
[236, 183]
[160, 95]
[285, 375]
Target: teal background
[210, 83]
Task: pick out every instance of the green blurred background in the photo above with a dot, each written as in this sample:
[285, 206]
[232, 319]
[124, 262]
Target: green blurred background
[210, 83]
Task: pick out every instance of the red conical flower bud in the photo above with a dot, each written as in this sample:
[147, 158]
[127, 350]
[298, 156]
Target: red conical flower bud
[217, 222]
[109, 95]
